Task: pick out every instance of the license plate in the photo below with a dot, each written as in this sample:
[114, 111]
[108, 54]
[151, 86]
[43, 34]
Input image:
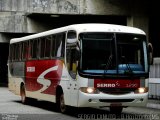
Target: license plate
[116, 104]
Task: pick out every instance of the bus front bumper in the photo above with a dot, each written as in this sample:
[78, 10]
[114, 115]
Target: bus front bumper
[106, 100]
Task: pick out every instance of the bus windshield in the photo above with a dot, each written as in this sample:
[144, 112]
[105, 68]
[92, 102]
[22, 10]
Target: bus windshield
[106, 54]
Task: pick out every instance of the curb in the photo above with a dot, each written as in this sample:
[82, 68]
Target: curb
[153, 104]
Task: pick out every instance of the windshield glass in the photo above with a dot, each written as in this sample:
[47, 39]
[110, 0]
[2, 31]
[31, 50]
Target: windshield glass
[131, 51]
[112, 53]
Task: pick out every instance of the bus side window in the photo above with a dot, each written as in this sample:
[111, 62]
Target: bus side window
[24, 56]
[53, 46]
[72, 61]
[48, 46]
[11, 52]
[42, 47]
[17, 51]
[45, 47]
[22, 50]
[26, 50]
[31, 48]
[34, 48]
[71, 54]
[63, 44]
[60, 41]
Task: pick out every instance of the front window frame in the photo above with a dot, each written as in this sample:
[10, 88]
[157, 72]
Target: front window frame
[117, 74]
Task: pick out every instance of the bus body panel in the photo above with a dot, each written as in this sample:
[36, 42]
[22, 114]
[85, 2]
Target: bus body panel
[47, 75]
[15, 84]
[106, 100]
[111, 92]
[42, 78]
[16, 76]
[43, 75]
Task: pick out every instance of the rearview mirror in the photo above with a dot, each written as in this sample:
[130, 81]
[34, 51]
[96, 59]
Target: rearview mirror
[77, 54]
[150, 51]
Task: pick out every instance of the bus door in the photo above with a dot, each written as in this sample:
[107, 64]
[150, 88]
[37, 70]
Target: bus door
[72, 64]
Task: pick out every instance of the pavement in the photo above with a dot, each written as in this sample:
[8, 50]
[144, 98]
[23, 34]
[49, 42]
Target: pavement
[153, 103]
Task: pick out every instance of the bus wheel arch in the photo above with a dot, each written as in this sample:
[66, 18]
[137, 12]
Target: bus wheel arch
[60, 101]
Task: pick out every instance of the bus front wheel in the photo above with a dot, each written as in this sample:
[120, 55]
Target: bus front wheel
[61, 103]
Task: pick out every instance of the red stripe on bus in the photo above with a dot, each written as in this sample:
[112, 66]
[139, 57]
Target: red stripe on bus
[35, 68]
[117, 83]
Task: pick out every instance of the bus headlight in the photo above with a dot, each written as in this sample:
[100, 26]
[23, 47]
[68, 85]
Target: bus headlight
[89, 90]
[142, 90]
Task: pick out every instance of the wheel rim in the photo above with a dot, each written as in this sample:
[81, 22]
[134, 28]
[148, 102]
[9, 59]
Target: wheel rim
[62, 104]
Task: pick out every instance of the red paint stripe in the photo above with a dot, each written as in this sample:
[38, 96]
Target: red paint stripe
[117, 83]
[36, 67]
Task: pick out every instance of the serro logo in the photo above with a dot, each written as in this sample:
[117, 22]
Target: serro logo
[106, 85]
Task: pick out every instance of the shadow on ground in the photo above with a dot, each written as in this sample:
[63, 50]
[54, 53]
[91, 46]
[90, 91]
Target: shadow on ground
[78, 113]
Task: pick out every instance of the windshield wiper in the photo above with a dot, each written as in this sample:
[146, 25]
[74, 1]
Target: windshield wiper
[109, 61]
[129, 71]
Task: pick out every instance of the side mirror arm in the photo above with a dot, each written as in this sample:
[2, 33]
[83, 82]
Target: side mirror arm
[150, 51]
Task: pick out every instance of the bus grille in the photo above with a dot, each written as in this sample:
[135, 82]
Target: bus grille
[116, 91]
[116, 100]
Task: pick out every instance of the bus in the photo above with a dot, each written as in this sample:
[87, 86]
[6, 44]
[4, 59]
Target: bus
[81, 65]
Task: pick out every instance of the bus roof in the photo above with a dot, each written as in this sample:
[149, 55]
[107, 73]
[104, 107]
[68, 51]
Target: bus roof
[87, 27]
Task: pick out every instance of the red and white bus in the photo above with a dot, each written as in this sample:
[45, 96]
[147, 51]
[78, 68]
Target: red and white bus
[81, 65]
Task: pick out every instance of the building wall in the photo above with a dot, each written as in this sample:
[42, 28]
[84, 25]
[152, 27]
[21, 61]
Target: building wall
[41, 6]
[22, 17]
[14, 13]
[66, 6]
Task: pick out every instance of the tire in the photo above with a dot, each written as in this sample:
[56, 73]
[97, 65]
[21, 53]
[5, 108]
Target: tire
[61, 103]
[24, 99]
